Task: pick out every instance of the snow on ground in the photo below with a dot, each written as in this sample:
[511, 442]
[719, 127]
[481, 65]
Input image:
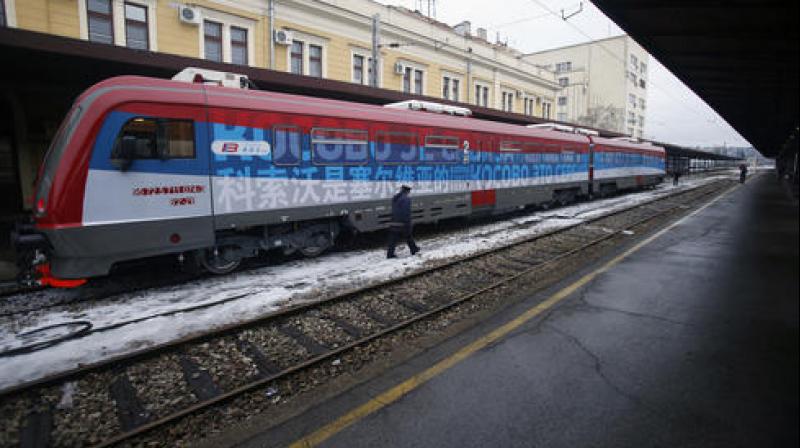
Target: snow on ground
[257, 292]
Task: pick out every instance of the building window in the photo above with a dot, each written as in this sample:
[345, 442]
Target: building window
[136, 27]
[642, 84]
[407, 79]
[481, 95]
[412, 76]
[634, 62]
[212, 40]
[450, 88]
[631, 118]
[297, 57]
[547, 109]
[641, 103]
[101, 21]
[358, 69]
[238, 45]
[562, 101]
[563, 82]
[641, 121]
[315, 61]
[632, 100]
[508, 101]
[643, 68]
[529, 104]
[563, 67]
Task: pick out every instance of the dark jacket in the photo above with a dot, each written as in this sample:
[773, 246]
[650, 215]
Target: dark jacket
[401, 208]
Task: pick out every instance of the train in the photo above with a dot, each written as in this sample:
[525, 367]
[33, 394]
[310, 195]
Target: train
[144, 167]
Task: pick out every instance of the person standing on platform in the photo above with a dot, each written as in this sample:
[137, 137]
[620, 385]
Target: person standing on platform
[401, 227]
[742, 173]
[676, 174]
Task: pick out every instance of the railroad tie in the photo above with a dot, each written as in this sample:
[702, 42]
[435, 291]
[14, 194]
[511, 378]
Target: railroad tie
[199, 381]
[520, 260]
[414, 306]
[349, 328]
[264, 365]
[312, 346]
[35, 431]
[130, 411]
[377, 317]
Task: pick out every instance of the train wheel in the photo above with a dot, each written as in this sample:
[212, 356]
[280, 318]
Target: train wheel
[219, 260]
[316, 244]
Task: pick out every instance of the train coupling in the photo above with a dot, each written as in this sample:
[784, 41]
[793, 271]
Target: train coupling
[33, 265]
[31, 250]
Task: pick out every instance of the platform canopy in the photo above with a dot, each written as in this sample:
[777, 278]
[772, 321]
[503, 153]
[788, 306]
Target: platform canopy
[740, 56]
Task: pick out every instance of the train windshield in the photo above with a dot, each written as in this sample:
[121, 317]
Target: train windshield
[53, 157]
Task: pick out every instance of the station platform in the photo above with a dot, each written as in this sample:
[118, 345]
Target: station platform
[689, 339]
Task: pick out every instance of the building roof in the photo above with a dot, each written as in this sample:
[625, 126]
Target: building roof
[741, 57]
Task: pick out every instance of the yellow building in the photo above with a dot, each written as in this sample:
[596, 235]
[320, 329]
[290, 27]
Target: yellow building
[329, 39]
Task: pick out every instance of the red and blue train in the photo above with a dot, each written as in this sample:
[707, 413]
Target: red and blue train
[144, 167]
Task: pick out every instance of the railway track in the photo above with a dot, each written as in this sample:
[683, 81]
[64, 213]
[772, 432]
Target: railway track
[118, 400]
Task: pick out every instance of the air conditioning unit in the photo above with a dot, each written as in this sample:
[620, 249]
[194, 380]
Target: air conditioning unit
[213, 77]
[283, 37]
[190, 15]
[398, 68]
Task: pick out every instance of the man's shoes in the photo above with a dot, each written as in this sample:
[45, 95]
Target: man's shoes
[414, 252]
[391, 256]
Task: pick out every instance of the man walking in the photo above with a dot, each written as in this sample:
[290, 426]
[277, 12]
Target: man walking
[675, 176]
[742, 173]
[400, 227]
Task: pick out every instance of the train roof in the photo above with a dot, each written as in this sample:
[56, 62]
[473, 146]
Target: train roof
[125, 89]
[625, 144]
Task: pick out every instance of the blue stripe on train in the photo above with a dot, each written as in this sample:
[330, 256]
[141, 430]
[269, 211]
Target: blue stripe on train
[481, 166]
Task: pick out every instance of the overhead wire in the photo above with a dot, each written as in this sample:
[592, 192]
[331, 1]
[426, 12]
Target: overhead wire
[713, 119]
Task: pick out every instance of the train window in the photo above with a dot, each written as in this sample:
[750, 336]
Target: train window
[511, 146]
[179, 139]
[286, 145]
[396, 147]
[339, 146]
[442, 149]
[156, 138]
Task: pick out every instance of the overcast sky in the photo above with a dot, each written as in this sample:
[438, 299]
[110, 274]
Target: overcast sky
[674, 113]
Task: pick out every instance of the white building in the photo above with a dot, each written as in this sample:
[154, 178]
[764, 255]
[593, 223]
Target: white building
[603, 83]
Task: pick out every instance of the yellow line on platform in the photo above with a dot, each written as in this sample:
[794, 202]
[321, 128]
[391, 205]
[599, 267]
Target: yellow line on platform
[397, 392]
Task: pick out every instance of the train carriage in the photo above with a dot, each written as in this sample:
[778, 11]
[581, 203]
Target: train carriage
[144, 167]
